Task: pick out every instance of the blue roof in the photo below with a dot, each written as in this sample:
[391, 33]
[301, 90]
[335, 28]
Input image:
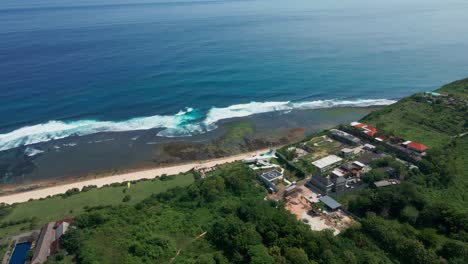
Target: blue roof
[330, 202]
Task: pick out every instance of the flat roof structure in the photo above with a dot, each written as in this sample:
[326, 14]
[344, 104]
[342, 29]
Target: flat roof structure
[384, 183]
[327, 161]
[330, 202]
[359, 164]
[369, 146]
[345, 136]
[271, 175]
[338, 173]
[347, 150]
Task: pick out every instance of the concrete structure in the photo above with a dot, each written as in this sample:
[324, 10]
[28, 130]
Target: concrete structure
[61, 229]
[269, 177]
[359, 164]
[321, 184]
[344, 137]
[327, 163]
[339, 184]
[272, 175]
[369, 147]
[385, 183]
[347, 152]
[330, 203]
[42, 251]
[290, 189]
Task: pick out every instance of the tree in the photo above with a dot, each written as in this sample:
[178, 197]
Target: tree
[296, 256]
[259, 255]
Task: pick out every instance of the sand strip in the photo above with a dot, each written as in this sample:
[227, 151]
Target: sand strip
[132, 176]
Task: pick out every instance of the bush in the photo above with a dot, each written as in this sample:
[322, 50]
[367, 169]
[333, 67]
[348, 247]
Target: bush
[89, 187]
[165, 177]
[127, 198]
[71, 192]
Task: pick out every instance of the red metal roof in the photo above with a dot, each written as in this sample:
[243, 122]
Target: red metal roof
[360, 125]
[371, 128]
[417, 146]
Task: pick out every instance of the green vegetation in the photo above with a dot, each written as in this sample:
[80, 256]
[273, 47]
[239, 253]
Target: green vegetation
[3, 248]
[240, 228]
[224, 218]
[42, 211]
[420, 119]
[458, 88]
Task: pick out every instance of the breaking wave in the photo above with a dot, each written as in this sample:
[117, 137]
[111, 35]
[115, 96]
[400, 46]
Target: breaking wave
[185, 123]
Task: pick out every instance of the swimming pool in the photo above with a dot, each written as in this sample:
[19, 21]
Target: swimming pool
[20, 253]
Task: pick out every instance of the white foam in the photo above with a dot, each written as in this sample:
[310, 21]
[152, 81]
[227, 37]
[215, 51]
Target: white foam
[53, 130]
[32, 151]
[184, 123]
[241, 110]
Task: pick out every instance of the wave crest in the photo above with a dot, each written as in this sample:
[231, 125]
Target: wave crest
[186, 122]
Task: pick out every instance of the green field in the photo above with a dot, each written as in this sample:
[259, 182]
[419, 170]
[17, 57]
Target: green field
[457, 88]
[55, 208]
[417, 120]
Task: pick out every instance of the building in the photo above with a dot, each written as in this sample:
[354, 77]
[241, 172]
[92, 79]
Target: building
[339, 184]
[269, 177]
[49, 239]
[46, 238]
[61, 229]
[347, 152]
[330, 203]
[380, 138]
[385, 183]
[418, 147]
[327, 163]
[272, 175]
[366, 129]
[321, 184]
[344, 137]
[359, 164]
[369, 147]
[290, 189]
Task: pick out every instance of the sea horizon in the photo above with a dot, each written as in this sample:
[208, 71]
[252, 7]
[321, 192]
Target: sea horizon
[183, 66]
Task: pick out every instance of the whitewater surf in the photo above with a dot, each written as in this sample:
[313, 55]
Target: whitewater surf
[187, 122]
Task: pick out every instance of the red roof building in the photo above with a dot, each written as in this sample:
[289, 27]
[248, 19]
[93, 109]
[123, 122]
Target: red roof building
[367, 129]
[416, 146]
[380, 138]
[359, 125]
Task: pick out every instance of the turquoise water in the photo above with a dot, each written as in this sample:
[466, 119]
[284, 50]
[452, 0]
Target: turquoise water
[82, 67]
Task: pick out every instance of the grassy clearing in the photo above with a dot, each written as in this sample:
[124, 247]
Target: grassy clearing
[57, 207]
[457, 88]
[417, 120]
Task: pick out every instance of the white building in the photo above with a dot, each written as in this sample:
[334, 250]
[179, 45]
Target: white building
[327, 163]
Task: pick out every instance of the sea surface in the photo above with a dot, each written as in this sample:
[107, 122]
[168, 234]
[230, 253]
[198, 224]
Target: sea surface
[71, 68]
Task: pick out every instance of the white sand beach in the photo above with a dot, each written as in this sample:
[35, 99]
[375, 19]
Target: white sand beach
[132, 176]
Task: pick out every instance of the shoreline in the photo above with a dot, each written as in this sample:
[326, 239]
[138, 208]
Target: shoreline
[119, 178]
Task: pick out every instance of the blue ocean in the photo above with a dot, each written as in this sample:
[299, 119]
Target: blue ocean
[83, 67]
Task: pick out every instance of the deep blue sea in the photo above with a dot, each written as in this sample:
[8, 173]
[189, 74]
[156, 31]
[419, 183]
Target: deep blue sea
[72, 67]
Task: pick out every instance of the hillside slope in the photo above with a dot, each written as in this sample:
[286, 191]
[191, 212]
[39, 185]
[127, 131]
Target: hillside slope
[424, 118]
